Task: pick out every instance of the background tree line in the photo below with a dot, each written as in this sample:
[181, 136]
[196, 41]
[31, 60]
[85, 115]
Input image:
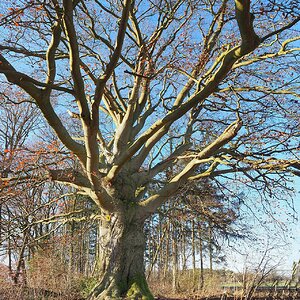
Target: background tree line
[49, 233]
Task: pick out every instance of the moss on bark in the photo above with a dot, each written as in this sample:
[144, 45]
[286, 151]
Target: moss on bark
[139, 289]
[122, 272]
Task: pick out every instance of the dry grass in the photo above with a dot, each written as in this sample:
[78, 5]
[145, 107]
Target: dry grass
[47, 279]
[187, 288]
[27, 293]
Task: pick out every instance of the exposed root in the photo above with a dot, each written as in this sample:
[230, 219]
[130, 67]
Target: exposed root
[137, 290]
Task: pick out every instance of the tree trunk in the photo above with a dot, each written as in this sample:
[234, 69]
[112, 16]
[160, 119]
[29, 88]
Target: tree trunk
[174, 262]
[122, 272]
[210, 250]
[166, 252]
[201, 277]
[193, 253]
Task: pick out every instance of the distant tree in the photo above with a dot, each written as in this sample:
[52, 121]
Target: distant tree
[16, 123]
[28, 201]
[130, 73]
[198, 219]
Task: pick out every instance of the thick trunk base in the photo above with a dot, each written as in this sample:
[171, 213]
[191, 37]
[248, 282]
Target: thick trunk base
[136, 290]
[122, 274]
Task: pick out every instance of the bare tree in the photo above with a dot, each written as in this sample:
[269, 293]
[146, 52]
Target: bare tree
[129, 74]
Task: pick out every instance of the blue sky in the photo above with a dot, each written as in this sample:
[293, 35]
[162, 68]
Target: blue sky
[281, 253]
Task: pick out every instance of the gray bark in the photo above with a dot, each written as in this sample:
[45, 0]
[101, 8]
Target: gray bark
[122, 272]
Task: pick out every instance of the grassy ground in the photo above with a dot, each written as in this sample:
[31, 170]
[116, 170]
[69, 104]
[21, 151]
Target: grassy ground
[59, 285]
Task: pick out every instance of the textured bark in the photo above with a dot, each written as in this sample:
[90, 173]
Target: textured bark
[122, 273]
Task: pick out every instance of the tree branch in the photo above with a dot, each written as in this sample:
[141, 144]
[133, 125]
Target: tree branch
[248, 43]
[288, 26]
[206, 155]
[75, 61]
[70, 177]
[115, 56]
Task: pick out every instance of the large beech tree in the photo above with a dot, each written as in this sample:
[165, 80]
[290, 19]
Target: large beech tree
[121, 81]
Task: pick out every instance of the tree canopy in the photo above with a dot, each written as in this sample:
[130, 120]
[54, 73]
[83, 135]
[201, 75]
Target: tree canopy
[155, 93]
